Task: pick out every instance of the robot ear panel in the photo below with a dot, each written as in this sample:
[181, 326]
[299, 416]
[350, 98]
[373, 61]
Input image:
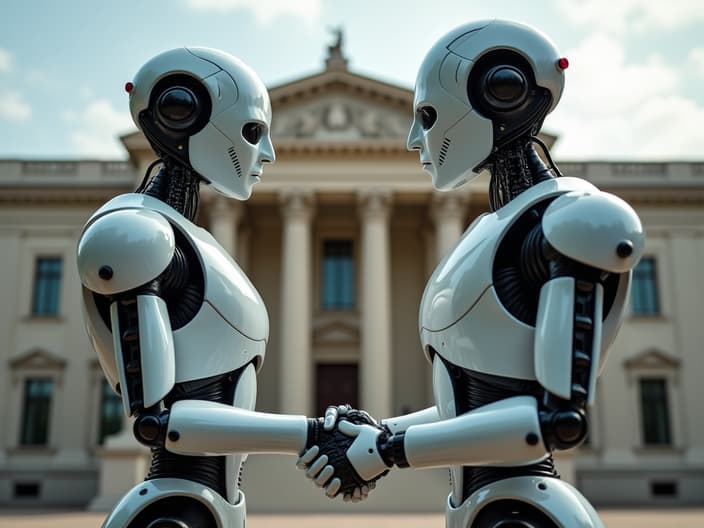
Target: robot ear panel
[180, 104]
[501, 82]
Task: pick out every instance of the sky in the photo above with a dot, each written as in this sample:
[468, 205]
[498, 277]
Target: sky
[633, 89]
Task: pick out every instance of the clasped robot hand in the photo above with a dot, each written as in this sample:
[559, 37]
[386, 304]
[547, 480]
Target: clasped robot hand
[347, 453]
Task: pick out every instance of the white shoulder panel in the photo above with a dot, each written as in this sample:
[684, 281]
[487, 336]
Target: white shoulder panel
[124, 249]
[557, 499]
[595, 228]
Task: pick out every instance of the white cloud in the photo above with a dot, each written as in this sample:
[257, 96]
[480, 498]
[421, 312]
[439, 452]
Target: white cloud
[612, 109]
[695, 61]
[94, 131]
[5, 61]
[13, 107]
[265, 11]
[617, 16]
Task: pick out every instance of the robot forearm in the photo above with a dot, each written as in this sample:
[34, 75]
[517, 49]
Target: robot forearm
[398, 424]
[198, 427]
[507, 432]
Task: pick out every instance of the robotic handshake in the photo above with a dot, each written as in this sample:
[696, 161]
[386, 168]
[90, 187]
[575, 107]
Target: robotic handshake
[348, 451]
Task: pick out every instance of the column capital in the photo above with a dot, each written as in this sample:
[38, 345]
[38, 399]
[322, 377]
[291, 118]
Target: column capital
[222, 207]
[297, 203]
[448, 206]
[374, 203]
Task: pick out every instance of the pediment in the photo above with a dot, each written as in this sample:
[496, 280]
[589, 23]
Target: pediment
[37, 359]
[340, 107]
[336, 332]
[652, 359]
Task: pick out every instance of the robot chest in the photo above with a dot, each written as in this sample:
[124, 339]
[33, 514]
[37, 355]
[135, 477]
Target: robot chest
[462, 277]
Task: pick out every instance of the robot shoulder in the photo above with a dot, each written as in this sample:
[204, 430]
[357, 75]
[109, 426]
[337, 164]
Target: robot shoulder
[595, 228]
[124, 249]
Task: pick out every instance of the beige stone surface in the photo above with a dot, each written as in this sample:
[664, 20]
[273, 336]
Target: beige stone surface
[693, 518]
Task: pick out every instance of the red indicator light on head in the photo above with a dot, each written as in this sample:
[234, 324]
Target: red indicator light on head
[563, 63]
[129, 87]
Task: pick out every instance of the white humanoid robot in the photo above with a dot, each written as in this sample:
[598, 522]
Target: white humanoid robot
[179, 330]
[518, 317]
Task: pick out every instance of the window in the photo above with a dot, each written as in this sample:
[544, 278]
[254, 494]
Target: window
[337, 288]
[35, 413]
[644, 291]
[337, 383]
[110, 412]
[655, 412]
[47, 283]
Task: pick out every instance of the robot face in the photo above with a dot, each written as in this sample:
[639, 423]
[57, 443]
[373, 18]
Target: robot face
[454, 137]
[445, 131]
[213, 104]
[231, 150]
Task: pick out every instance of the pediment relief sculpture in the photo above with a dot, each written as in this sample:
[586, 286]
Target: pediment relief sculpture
[334, 119]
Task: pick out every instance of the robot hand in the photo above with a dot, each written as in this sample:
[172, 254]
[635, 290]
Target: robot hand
[343, 445]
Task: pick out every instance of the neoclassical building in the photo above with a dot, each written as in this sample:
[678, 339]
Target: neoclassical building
[339, 238]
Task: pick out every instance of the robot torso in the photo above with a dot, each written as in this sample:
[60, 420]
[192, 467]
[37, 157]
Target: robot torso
[227, 326]
[470, 313]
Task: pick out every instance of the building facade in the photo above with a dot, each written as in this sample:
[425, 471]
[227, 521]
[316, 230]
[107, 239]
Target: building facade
[339, 238]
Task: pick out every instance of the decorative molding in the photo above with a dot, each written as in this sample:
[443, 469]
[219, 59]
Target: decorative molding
[652, 359]
[297, 203]
[375, 203]
[342, 330]
[37, 359]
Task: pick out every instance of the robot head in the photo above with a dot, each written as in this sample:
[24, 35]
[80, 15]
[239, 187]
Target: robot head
[480, 87]
[208, 110]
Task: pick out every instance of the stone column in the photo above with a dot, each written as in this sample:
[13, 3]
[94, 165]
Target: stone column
[123, 463]
[447, 211]
[376, 375]
[224, 218]
[295, 381]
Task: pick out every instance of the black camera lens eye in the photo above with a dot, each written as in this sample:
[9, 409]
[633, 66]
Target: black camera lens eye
[428, 116]
[253, 132]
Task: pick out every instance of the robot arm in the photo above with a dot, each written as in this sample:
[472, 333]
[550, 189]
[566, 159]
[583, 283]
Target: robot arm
[584, 238]
[120, 256]
[399, 424]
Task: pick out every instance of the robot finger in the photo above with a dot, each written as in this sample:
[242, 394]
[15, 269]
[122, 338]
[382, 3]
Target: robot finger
[315, 468]
[305, 459]
[331, 414]
[332, 488]
[324, 476]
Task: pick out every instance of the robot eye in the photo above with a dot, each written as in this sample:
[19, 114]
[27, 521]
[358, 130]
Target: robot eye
[428, 116]
[253, 132]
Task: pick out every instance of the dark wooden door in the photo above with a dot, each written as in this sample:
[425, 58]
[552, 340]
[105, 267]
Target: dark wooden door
[336, 383]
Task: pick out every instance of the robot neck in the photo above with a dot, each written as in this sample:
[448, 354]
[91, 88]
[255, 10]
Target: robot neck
[177, 186]
[514, 168]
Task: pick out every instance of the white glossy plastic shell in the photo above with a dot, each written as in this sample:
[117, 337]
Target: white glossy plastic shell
[156, 344]
[557, 499]
[218, 152]
[209, 428]
[589, 227]
[491, 435]
[233, 318]
[461, 316]
[461, 138]
[226, 515]
[137, 246]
